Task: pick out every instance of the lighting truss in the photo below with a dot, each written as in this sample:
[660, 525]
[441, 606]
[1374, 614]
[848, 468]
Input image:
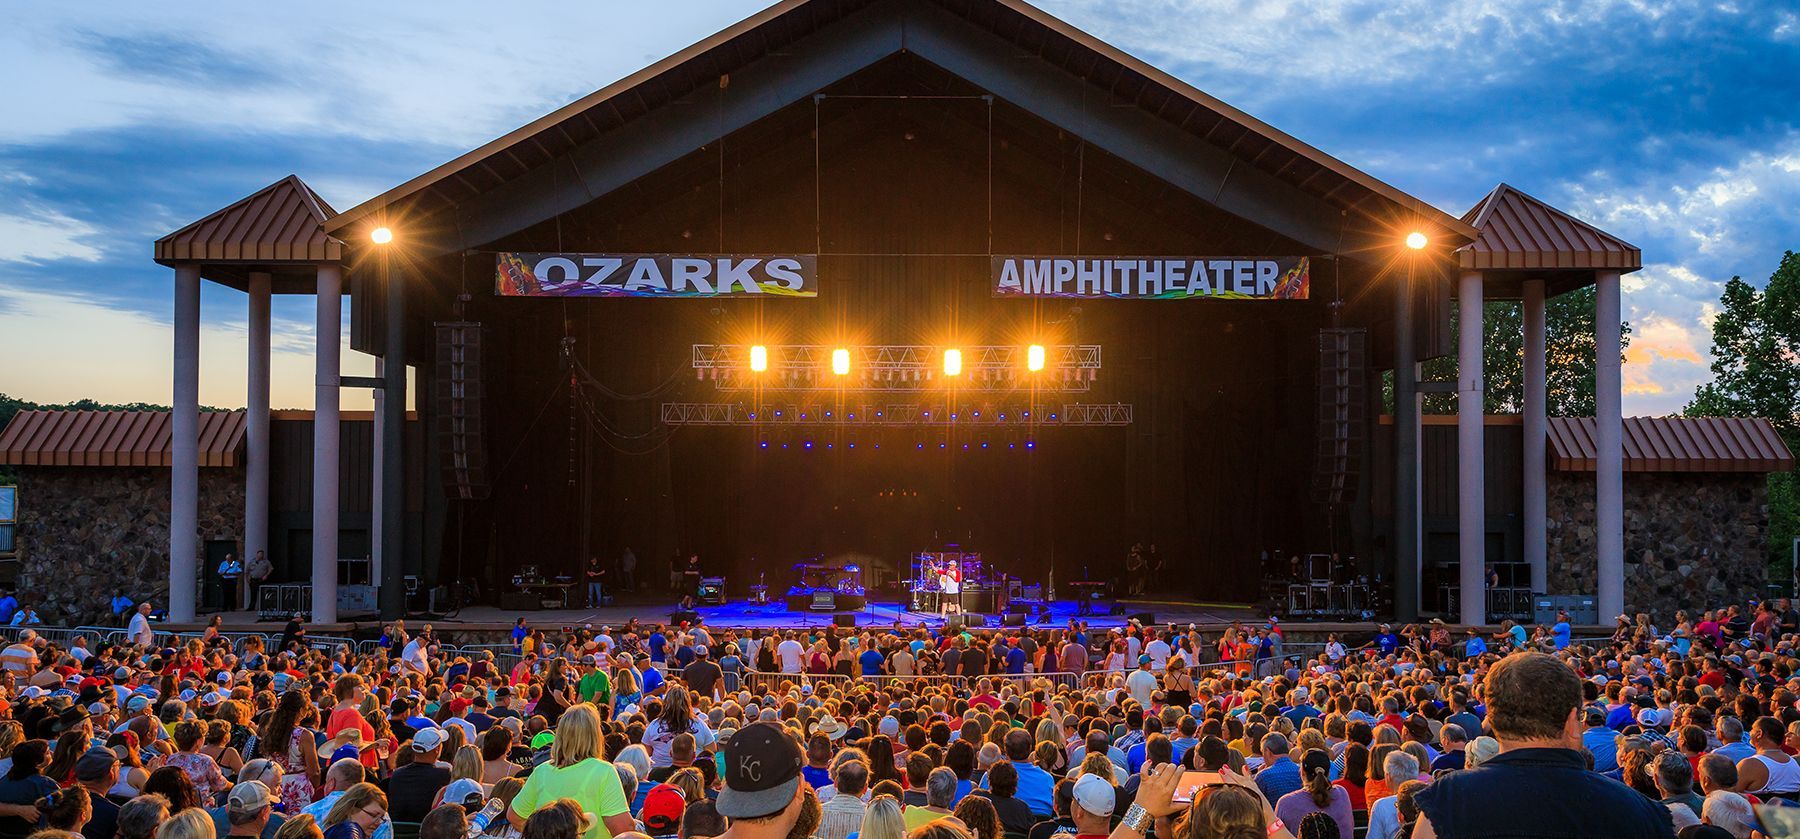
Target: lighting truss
[905, 415]
[1068, 368]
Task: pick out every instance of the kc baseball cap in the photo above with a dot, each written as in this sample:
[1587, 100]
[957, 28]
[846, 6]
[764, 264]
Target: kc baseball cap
[762, 771]
[1095, 795]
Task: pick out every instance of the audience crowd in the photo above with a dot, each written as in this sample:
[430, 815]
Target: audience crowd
[1688, 729]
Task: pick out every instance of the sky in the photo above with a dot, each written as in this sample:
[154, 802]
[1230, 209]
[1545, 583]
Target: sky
[1673, 125]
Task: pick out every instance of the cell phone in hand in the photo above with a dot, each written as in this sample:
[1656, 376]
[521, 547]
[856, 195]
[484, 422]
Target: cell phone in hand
[1192, 783]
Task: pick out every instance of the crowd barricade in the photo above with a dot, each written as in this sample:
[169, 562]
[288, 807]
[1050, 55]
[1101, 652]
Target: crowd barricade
[759, 682]
[1027, 681]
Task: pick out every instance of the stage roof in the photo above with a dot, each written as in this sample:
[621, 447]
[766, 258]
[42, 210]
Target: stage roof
[987, 36]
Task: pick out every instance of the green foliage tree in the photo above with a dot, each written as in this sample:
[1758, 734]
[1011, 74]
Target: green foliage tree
[1756, 373]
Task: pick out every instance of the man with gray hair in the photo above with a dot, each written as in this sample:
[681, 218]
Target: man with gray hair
[1279, 775]
[1675, 781]
[940, 796]
[141, 816]
[1717, 772]
[1730, 731]
[1384, 814]
[340, 777]
[842, 814]
[1454, 739]
[1729, 812]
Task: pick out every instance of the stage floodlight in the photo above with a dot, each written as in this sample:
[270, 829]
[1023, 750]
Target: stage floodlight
[381, 235]
[952, 362]
[759, 358]
[1034, 357]
[1415, 240]
[840, 361]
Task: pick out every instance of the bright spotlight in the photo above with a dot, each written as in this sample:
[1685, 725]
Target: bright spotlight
[381, 236]
[952, 362]
[1415, 240]
[759, 358]
[840, 361]
[1034, 357]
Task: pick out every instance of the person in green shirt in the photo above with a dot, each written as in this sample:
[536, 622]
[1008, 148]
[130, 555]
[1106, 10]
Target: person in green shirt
[595, 687]
[576, 771]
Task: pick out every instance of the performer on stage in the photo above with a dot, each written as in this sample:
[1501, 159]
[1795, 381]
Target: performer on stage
[950, 589]
[690, 577]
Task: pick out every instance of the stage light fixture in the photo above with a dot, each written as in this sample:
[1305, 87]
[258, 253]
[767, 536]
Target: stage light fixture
[952, 362]
[840, 361]
[759, 359]
[1034, 357]
[1415, 240]
[381, 235]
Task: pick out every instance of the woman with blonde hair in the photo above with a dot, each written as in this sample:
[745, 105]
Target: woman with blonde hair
[357, 813]
[883, 820]
[575, 771]
[466, 768]
[12, 733]
[504, 792]
[300, 826]
[192, 823]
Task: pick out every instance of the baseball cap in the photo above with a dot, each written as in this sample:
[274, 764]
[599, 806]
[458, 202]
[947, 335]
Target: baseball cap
[1095, 795]
[1143, 660]
[137, 703]
[427, 739]
[461, 790]
[663, 806]
[543, 739]
[95, 764]
[762, 771]
[248, 797]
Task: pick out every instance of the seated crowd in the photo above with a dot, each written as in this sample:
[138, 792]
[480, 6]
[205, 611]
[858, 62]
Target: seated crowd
[695, 732]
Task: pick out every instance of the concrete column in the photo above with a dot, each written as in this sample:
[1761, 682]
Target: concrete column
[1471, 488]
[375, 495]
[184, 444]
[1537, 428]
[256, 432]
[325, 444]
[393, 446]
[1406, 458]
[1609, 438]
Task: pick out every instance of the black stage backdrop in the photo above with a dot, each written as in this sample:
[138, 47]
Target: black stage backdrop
[904, 210]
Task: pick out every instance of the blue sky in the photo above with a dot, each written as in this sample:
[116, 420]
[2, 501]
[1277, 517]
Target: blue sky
[1673, 125]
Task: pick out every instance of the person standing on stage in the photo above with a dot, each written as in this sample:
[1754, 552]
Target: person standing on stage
[677, 565]
[690, 576]
[596, 573]
[628, 570]
[1134, 570]
[950, 589]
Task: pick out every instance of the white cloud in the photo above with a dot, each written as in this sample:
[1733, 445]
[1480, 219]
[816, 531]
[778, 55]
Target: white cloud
[41, 235]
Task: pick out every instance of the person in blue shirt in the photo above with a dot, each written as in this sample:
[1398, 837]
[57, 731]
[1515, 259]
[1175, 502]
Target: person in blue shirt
[871, 660]
[8, 605]
[651, 677]
[121, 604]
[658, 645]
[1385, 641]
[1015, 659]
[1036, 787]
[1600, 741]
[519, 632]
[1561, 631]
[1279, 775]
[1475, 646]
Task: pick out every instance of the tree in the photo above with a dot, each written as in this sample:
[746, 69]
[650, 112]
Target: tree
[1569, 352]
[1756, 373]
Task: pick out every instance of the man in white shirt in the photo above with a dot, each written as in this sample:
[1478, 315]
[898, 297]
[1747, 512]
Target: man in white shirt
[139, 628]
[1141, 683]
[413, 657]
[1158, 651]
[789, 653]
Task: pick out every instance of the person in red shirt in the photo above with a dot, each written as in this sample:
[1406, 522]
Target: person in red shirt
[1714, 677]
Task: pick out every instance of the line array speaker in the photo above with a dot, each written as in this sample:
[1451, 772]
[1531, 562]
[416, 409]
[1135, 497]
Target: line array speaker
[1343, 402]
[458, 410]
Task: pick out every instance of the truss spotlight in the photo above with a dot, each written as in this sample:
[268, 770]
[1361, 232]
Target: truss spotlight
[1031, 444]
[1034, 357]
[1415, 240]
[759, 359]
[952, 362]
[840, 361]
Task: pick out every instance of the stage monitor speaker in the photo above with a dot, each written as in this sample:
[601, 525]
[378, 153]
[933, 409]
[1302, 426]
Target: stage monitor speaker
[845, 621]
[1013, 619]
[456, 389]
[1143, 618]
[1343, 410]
[1014, 608]
[520, 601]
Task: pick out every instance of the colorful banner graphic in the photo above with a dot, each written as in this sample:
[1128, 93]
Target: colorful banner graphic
[1153, 277]
[655, 275]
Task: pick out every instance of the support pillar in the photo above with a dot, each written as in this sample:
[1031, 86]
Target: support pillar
[184, 444]
[256, 433]
[1471, 488]
[393, 447]
[375, 496]
[1537, 429]
[325, 444]
[1609, 439]
[1406, 458]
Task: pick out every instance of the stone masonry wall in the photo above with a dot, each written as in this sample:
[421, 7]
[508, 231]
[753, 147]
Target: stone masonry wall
[1691, 540]
[87, 533]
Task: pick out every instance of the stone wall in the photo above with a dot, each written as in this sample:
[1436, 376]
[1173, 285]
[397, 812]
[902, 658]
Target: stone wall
[87, 533]
[1690, 539]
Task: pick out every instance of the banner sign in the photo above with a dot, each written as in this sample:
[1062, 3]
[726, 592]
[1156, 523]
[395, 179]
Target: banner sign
[1153, 277]
[655, 275]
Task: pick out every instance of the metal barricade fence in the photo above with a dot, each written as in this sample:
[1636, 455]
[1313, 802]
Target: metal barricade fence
[1052, 682]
